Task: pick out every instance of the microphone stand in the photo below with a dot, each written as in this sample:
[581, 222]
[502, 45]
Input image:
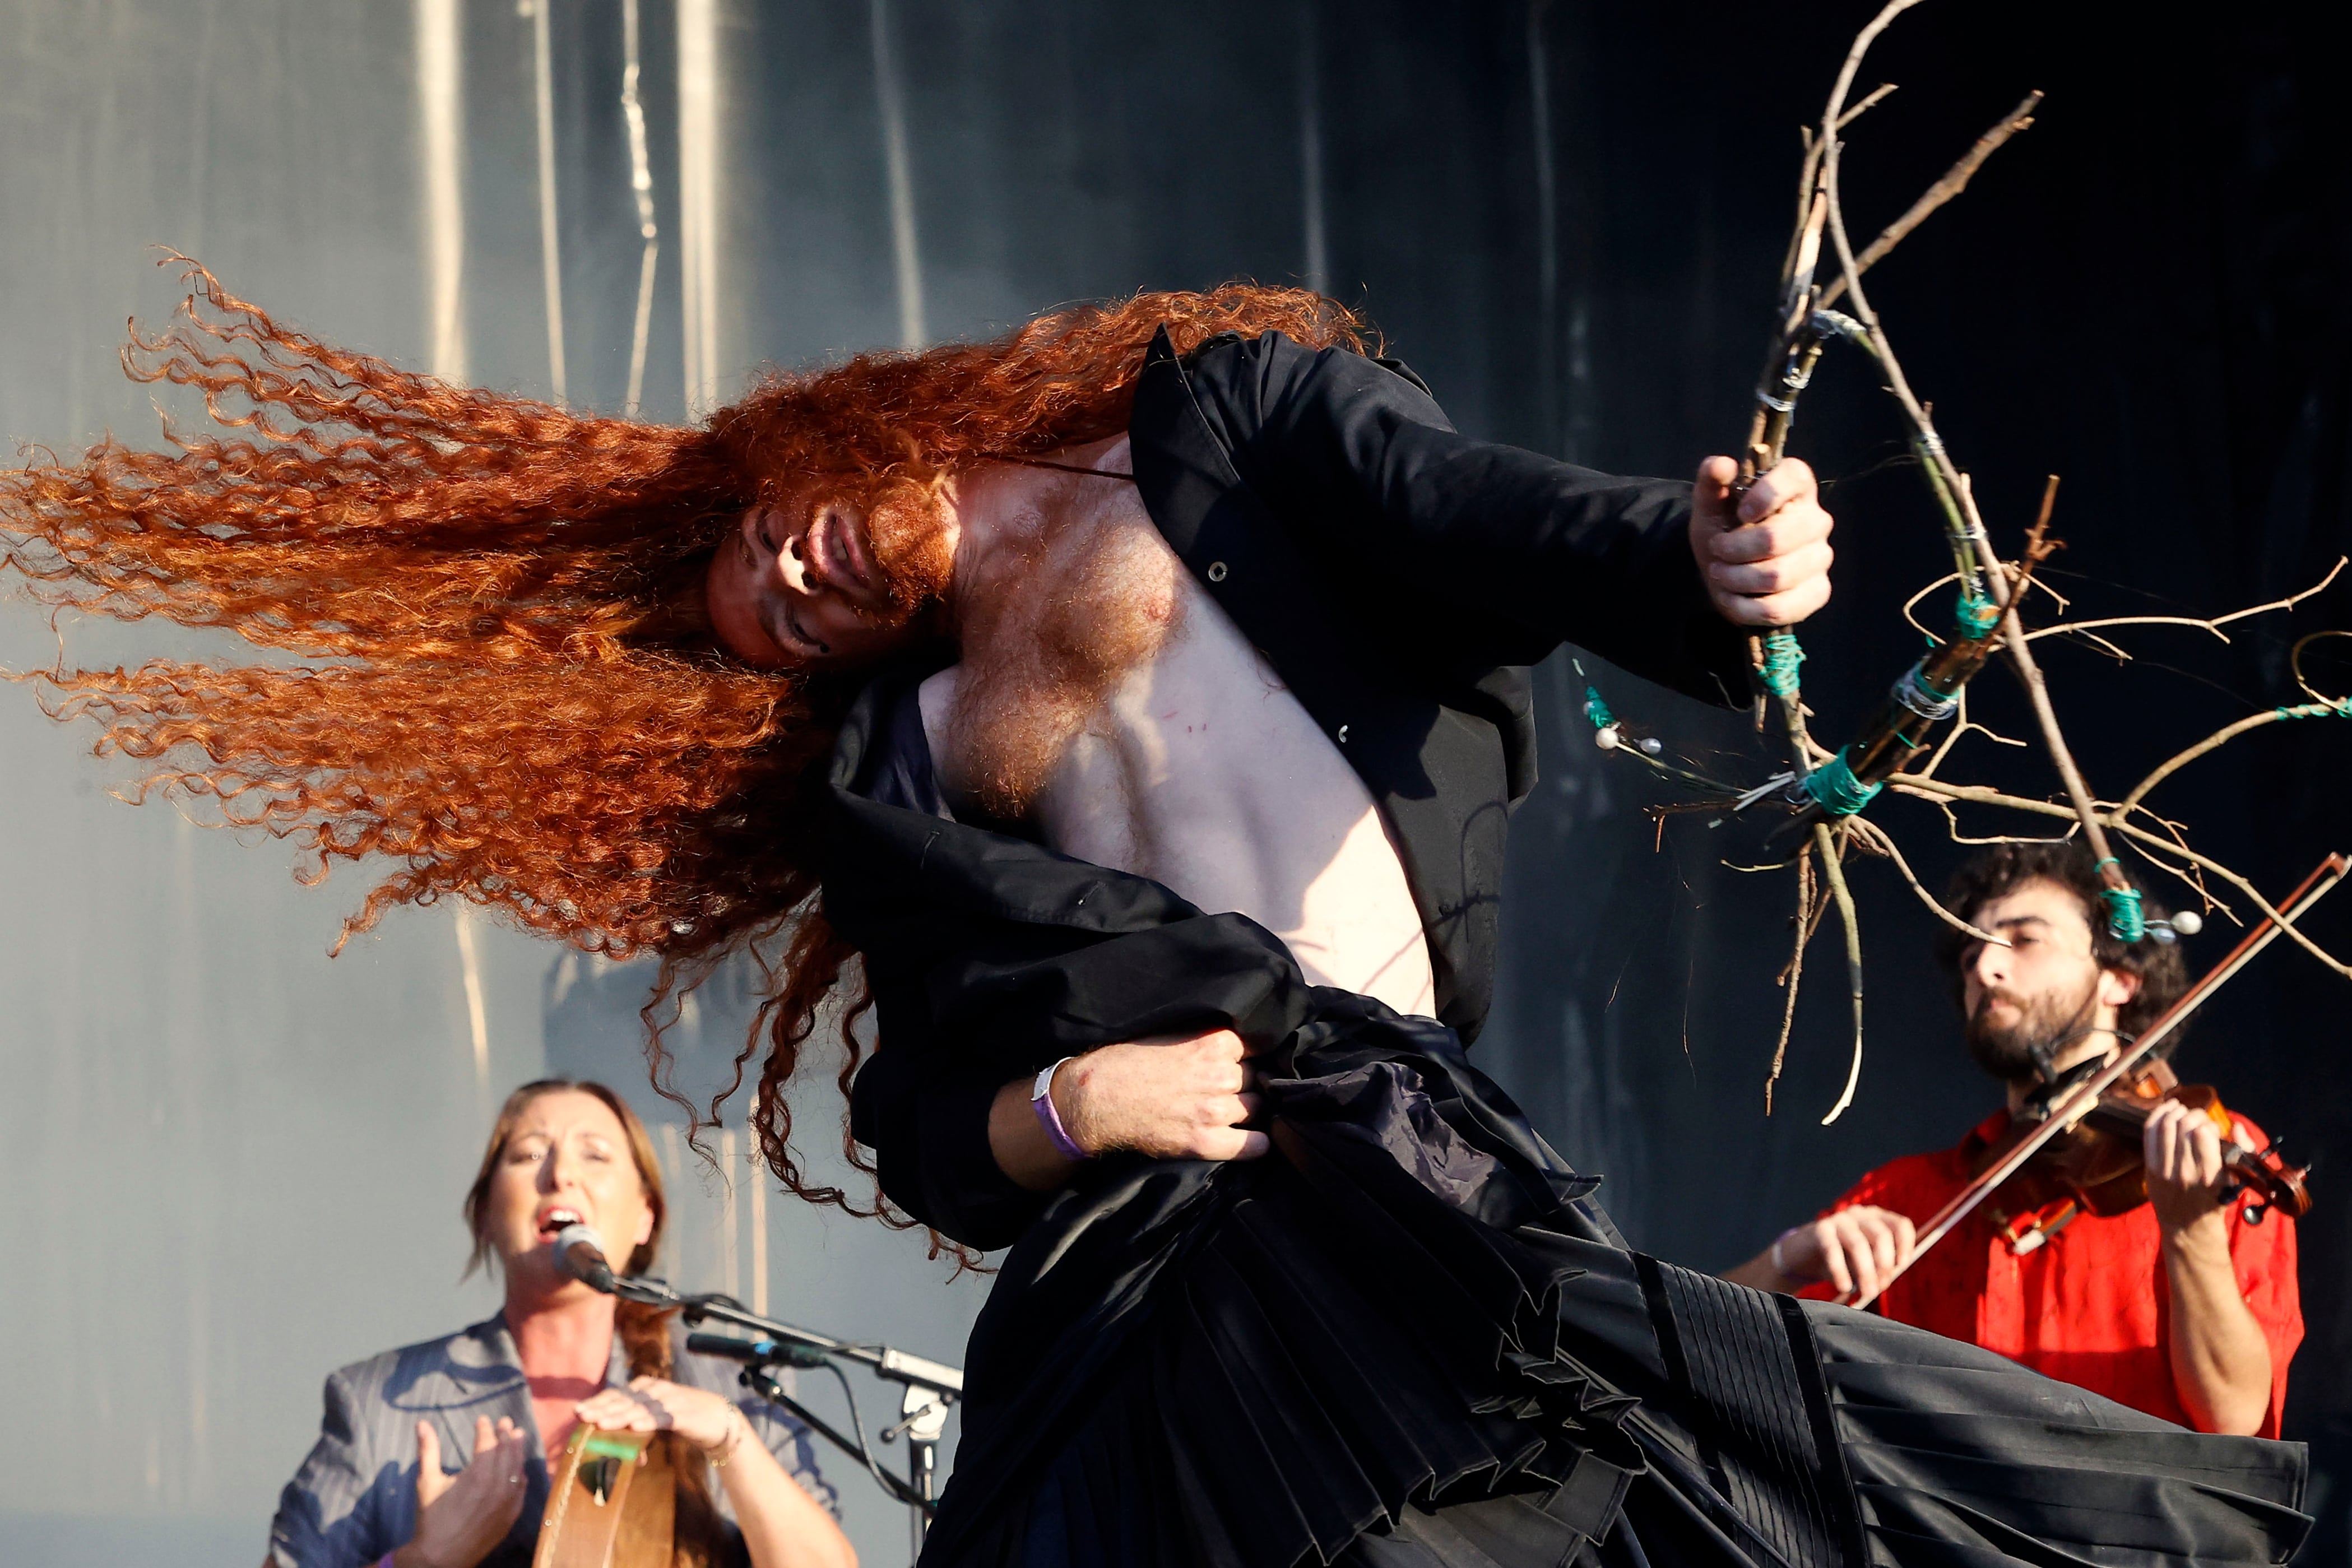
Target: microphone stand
[928, 1388]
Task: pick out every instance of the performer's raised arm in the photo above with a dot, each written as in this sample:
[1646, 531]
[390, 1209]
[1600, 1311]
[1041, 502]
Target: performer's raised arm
[1505, 552]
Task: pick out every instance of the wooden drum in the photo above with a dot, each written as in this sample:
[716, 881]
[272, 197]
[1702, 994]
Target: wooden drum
[614, 1503]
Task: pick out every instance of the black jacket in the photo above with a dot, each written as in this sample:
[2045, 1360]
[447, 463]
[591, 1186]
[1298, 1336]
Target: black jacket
[1399, 576]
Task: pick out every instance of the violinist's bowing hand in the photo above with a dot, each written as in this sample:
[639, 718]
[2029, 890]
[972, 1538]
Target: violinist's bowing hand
[1856, 1250]
[2182, 1147]
[1765, 558]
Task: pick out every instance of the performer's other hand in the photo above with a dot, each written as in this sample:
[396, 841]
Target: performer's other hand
[1767, 561]
[461, 1518]
[1857, 1250]
[709, 1421]
[1177, 1099]
[2183, 1150]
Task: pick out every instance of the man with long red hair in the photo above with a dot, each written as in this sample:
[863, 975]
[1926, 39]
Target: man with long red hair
[1127, 711]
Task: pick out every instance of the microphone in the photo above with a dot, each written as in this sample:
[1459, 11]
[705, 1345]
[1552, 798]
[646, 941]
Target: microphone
[758, 1352]
[580, 1252]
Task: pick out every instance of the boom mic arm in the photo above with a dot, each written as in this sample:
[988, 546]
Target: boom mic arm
[756, 1352]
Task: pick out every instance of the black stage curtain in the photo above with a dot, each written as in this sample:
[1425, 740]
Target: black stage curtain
[2146, 293]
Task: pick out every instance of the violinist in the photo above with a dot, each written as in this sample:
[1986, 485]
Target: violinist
[2185, 1306]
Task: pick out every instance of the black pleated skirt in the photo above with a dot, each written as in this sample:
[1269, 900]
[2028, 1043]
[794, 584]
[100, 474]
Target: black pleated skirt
[1408, 1338]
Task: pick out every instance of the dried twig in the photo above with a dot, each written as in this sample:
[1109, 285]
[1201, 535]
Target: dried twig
[1825, 842]
[1793, 972]
[1953, 182]
[2037, 692]
[2212, 623]
[1876, 94]
[2191, 876]
[2319, 707]
[1878, 838]
[1966, 726]
[1911, 784]
[1972, 549]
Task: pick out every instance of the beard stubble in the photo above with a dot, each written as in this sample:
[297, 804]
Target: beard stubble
[2047, 1021]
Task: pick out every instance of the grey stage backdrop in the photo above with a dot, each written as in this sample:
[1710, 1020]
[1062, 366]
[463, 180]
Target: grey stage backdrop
[231, 1164]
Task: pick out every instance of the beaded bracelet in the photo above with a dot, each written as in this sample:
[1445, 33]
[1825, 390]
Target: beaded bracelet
[734, 1440]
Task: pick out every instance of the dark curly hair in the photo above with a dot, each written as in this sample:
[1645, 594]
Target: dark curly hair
[2003, 869]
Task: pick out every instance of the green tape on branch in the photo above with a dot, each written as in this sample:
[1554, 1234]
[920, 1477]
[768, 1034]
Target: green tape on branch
[2126, 920]
[2339, 709]
[1596, 712]
[1836, 791]
[1975, 615]
[1781, 656]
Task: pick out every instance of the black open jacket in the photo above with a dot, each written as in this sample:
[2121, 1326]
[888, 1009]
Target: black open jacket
[1400, 577]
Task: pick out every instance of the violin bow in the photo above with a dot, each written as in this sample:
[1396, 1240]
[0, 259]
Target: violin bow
[2086, 1094]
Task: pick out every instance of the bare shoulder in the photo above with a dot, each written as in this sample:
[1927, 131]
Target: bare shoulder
[936, 698]
[1113, 455]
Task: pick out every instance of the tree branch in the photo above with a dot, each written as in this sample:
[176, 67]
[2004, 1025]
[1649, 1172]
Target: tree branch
[2321, 706]
[1912, 784]
[1954, 182]
[2212, 623]
[1878, 838]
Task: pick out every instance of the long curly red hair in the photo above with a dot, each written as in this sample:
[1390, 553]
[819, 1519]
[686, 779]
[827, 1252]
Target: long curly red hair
[500, 678]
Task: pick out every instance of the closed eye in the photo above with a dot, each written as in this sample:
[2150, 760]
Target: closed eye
[823, 648]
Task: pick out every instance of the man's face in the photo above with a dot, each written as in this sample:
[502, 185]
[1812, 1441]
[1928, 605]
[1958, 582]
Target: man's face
[2041, 989]
[804, 584]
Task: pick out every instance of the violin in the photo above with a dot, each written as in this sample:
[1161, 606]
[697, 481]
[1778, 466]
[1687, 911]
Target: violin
[2096, 1162]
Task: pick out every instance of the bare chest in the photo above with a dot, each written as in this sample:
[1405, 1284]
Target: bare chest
[1197, 768]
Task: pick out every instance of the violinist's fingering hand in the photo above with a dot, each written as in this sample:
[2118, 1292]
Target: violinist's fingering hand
[1856, 1250]
[2182, 1148]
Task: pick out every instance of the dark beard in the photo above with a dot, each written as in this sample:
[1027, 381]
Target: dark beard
[2049, 1022]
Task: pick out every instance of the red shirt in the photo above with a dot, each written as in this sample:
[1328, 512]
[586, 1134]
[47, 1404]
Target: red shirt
[2090, 1305]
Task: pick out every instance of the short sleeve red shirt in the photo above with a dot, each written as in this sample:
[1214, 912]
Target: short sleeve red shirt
[2090, 1306]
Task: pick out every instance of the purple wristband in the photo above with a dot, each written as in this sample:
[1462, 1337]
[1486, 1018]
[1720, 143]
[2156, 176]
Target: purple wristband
[1041, 1101]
